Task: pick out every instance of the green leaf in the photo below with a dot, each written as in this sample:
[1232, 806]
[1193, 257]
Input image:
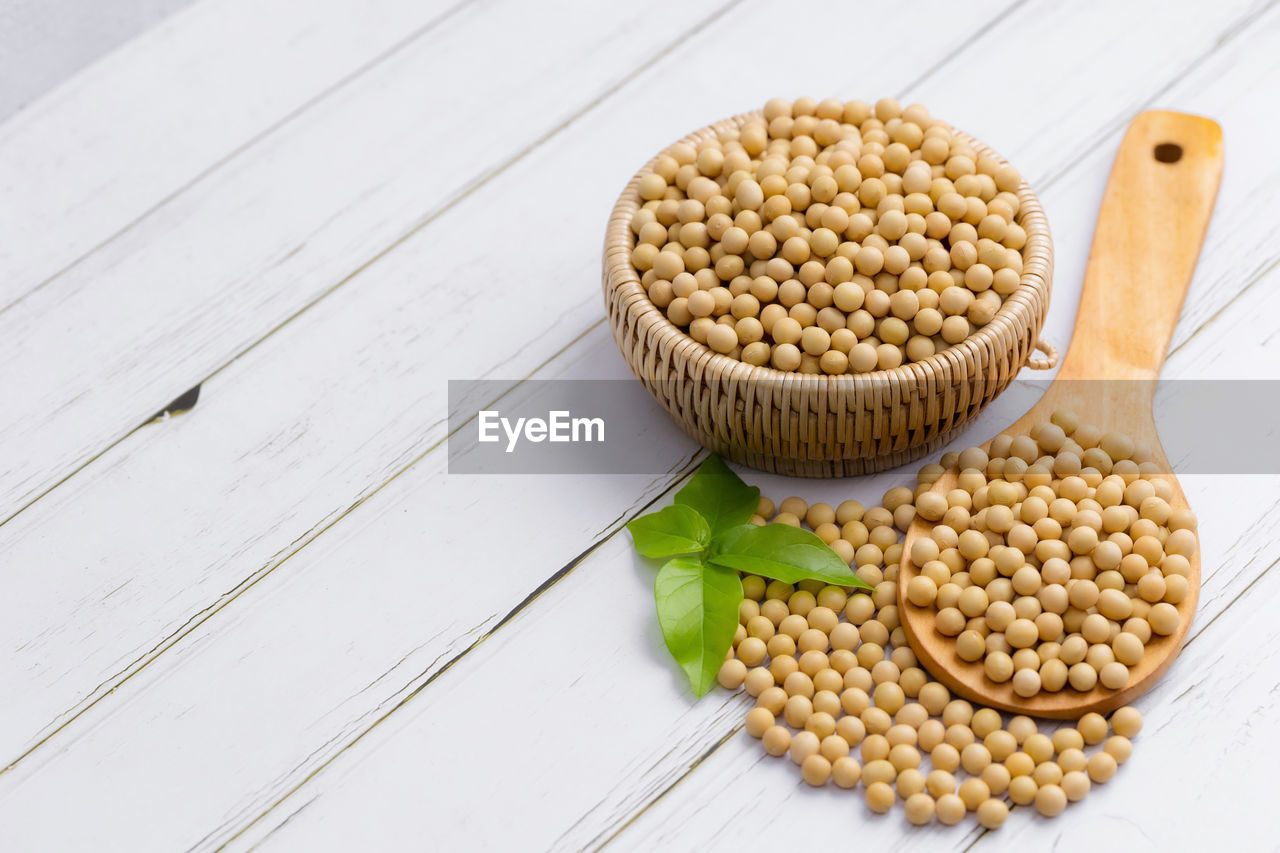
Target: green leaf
[677, 529]
[784, 553]
[698, 612]
[719, 495]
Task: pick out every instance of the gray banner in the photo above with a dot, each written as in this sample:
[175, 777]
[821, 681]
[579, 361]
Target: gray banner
[606, 426]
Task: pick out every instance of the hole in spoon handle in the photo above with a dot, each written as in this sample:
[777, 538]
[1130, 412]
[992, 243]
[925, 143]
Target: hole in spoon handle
[1152, 222]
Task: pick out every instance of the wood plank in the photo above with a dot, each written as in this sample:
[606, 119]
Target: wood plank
[368, 369]
[222, 264]
[289, 439]
[102, 150]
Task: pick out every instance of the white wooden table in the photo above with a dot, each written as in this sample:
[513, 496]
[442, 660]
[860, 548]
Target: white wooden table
[277, 620]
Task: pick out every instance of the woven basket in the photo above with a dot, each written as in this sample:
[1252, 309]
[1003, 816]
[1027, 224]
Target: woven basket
[824, 426]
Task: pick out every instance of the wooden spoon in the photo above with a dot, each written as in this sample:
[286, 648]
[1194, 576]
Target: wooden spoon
[1153, 219]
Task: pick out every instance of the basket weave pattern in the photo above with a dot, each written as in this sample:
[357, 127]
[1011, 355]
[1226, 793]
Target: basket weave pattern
[817, 425]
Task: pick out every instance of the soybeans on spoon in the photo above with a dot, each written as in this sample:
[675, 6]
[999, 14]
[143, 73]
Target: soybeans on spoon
[1154, 214]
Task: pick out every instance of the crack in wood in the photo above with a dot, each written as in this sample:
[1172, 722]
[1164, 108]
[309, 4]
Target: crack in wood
[459, 196]
[733, 704]
[430, 677]
[981, 834]
[184, 402]
[1199, 631]
[323, 749]
[109, 685]
[697, 762]
[679, 470]
[281, 825]
[1265, 270]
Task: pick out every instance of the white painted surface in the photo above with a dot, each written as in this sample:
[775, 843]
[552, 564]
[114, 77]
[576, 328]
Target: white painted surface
[268, 620]
[89, 161]
[43, 42]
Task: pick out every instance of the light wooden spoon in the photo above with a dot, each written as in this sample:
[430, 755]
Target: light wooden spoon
[1153, 219]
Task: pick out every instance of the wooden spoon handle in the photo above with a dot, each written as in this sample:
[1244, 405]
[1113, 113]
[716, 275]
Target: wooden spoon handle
[1153, 219]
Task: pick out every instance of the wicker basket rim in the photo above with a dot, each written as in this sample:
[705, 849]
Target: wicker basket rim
[1017, 312]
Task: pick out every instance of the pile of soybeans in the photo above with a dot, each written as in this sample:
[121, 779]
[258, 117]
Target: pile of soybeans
[1056, 559]
[829, 237]
[839, 690]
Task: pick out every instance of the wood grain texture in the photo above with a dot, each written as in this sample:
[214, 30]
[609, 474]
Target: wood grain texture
[295, 217]
[327, 433]
[323, 635]
[295, 435]
[1152, 223]
[101, 151]
[340, 683]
